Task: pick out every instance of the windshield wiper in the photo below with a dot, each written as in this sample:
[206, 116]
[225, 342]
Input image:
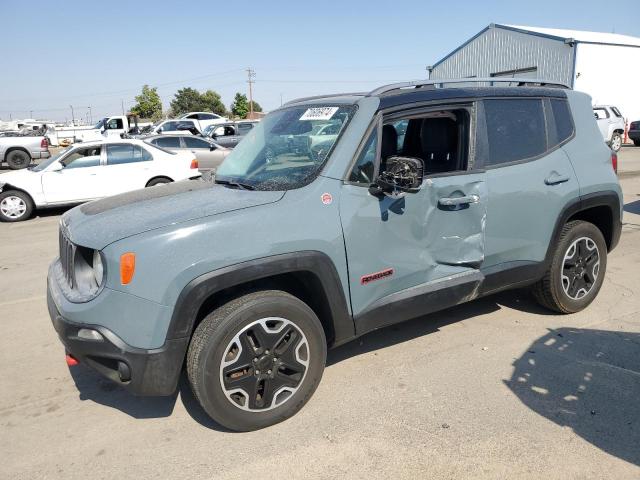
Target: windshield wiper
[232, 183]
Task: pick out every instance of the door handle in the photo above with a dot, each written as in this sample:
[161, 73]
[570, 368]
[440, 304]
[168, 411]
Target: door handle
[455, 201]
[555, 178]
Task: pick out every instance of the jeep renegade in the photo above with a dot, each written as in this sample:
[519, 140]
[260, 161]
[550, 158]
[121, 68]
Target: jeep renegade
[428, 194]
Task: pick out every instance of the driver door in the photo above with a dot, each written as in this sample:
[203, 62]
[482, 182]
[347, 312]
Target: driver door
[78, 181]
[413, 253]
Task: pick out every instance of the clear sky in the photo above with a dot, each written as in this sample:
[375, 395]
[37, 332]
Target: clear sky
[99, 54]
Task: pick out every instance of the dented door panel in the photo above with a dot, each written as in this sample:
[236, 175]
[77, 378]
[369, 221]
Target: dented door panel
[393, 244]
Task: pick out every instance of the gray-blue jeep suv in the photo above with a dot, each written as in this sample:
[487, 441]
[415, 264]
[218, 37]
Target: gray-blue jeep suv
[430, 194]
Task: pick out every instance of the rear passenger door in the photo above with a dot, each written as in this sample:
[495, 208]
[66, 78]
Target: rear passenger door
[128, 167]
[529, 177]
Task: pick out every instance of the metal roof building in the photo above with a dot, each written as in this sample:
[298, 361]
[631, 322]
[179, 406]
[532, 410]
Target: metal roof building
[604, 65]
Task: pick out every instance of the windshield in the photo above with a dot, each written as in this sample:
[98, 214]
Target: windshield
[282, 152]
[50, 160]
[100, 124]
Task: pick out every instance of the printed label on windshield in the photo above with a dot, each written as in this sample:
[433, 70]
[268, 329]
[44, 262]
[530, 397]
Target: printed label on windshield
[319, 113]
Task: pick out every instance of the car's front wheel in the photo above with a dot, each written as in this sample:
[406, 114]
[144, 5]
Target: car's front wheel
[15, 206]
[256, 360]
[577, 269]
[616, 142]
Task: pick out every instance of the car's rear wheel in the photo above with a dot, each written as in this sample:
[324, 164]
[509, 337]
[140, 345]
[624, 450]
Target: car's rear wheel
[616, 142]
[18, 159]
[577, 269]
[15, 206]
[256, 360]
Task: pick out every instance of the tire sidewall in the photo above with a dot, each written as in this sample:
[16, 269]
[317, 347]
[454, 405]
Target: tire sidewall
[213, 399]
[613, 139]
[24, 163]
[25, 198]
[581, 229]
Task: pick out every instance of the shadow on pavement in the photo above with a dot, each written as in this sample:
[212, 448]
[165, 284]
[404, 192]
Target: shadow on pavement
[588, 380]
[633, 207]
[94, 387]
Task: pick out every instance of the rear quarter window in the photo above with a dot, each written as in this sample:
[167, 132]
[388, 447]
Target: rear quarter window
[562, 119]
[515, 130]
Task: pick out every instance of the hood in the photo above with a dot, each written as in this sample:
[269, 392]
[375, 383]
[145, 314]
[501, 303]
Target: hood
[16, 177]
[97, 224]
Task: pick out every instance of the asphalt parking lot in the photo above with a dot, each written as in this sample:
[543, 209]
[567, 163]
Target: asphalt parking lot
[497, 388]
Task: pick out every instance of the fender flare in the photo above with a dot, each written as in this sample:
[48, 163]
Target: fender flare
[198, 290]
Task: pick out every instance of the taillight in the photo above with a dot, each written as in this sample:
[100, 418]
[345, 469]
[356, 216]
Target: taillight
[194, 164]
[44, 144]
[614, 161]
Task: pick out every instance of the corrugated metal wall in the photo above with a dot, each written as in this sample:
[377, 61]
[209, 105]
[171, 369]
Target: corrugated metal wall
[500, 50]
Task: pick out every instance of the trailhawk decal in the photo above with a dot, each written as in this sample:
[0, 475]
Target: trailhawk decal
[371, 277]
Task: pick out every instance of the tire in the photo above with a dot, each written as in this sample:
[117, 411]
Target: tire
[616, 142]
[566, 288]
[18, 159]
[241, 331]
[159, 181]
[15, 206]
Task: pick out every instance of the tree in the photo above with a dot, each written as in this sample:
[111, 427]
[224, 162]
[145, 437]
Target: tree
[240, 106]
[190, 100]
[148, 104]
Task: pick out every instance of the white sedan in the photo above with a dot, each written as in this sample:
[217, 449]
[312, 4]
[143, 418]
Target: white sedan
[89, 171]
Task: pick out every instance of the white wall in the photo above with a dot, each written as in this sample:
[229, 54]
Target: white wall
[610, 75]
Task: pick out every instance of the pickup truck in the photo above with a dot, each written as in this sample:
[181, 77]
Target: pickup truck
[611, 125]
[111, 127]
[18, 151]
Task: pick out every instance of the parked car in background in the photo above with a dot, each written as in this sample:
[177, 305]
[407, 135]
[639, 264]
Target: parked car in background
[207, 152]
[611, 125]
[634, 133]
[88, 171]
[18, 151]
[204, 119]
[229, 134]
[173, 127]
[109, 127]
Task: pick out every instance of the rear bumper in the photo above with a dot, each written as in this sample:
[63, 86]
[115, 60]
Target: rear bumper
[153, 372]
[634, 134]
[41, 154]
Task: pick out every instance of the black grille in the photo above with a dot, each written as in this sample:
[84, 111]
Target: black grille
[67, 254]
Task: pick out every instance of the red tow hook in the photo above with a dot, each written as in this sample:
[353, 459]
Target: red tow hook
[71, 360]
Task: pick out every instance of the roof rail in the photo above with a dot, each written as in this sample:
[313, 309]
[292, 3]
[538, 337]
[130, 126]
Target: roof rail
[438, 83]
[316, 97]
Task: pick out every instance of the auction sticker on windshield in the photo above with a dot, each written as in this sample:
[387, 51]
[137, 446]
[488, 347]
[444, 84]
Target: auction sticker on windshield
[319, 113]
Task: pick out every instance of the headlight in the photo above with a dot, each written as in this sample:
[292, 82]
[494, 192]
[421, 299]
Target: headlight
[98, 269]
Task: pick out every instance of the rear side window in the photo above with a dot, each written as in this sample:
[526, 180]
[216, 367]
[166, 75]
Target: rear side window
[616, 112]
[562, 118]
[167, 142]
[600, 113]
[192, 142]
[515, 130]
[125, 153]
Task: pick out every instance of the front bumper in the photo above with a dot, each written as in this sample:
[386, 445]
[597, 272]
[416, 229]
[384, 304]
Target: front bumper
[153, 372]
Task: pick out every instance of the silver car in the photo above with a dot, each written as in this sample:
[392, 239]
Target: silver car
[209, 154]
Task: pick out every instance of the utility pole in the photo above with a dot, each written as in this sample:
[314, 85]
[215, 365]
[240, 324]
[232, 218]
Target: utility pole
[90, 116]
[72, 116]
[30, 113]
[122, 101]
[251, 75]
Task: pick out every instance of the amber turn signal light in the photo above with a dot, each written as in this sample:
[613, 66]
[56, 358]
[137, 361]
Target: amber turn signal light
[127, 267]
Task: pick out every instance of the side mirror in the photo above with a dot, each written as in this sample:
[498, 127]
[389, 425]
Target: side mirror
[56, 167]
[402, 174]
[159, 130]
[212, 147]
